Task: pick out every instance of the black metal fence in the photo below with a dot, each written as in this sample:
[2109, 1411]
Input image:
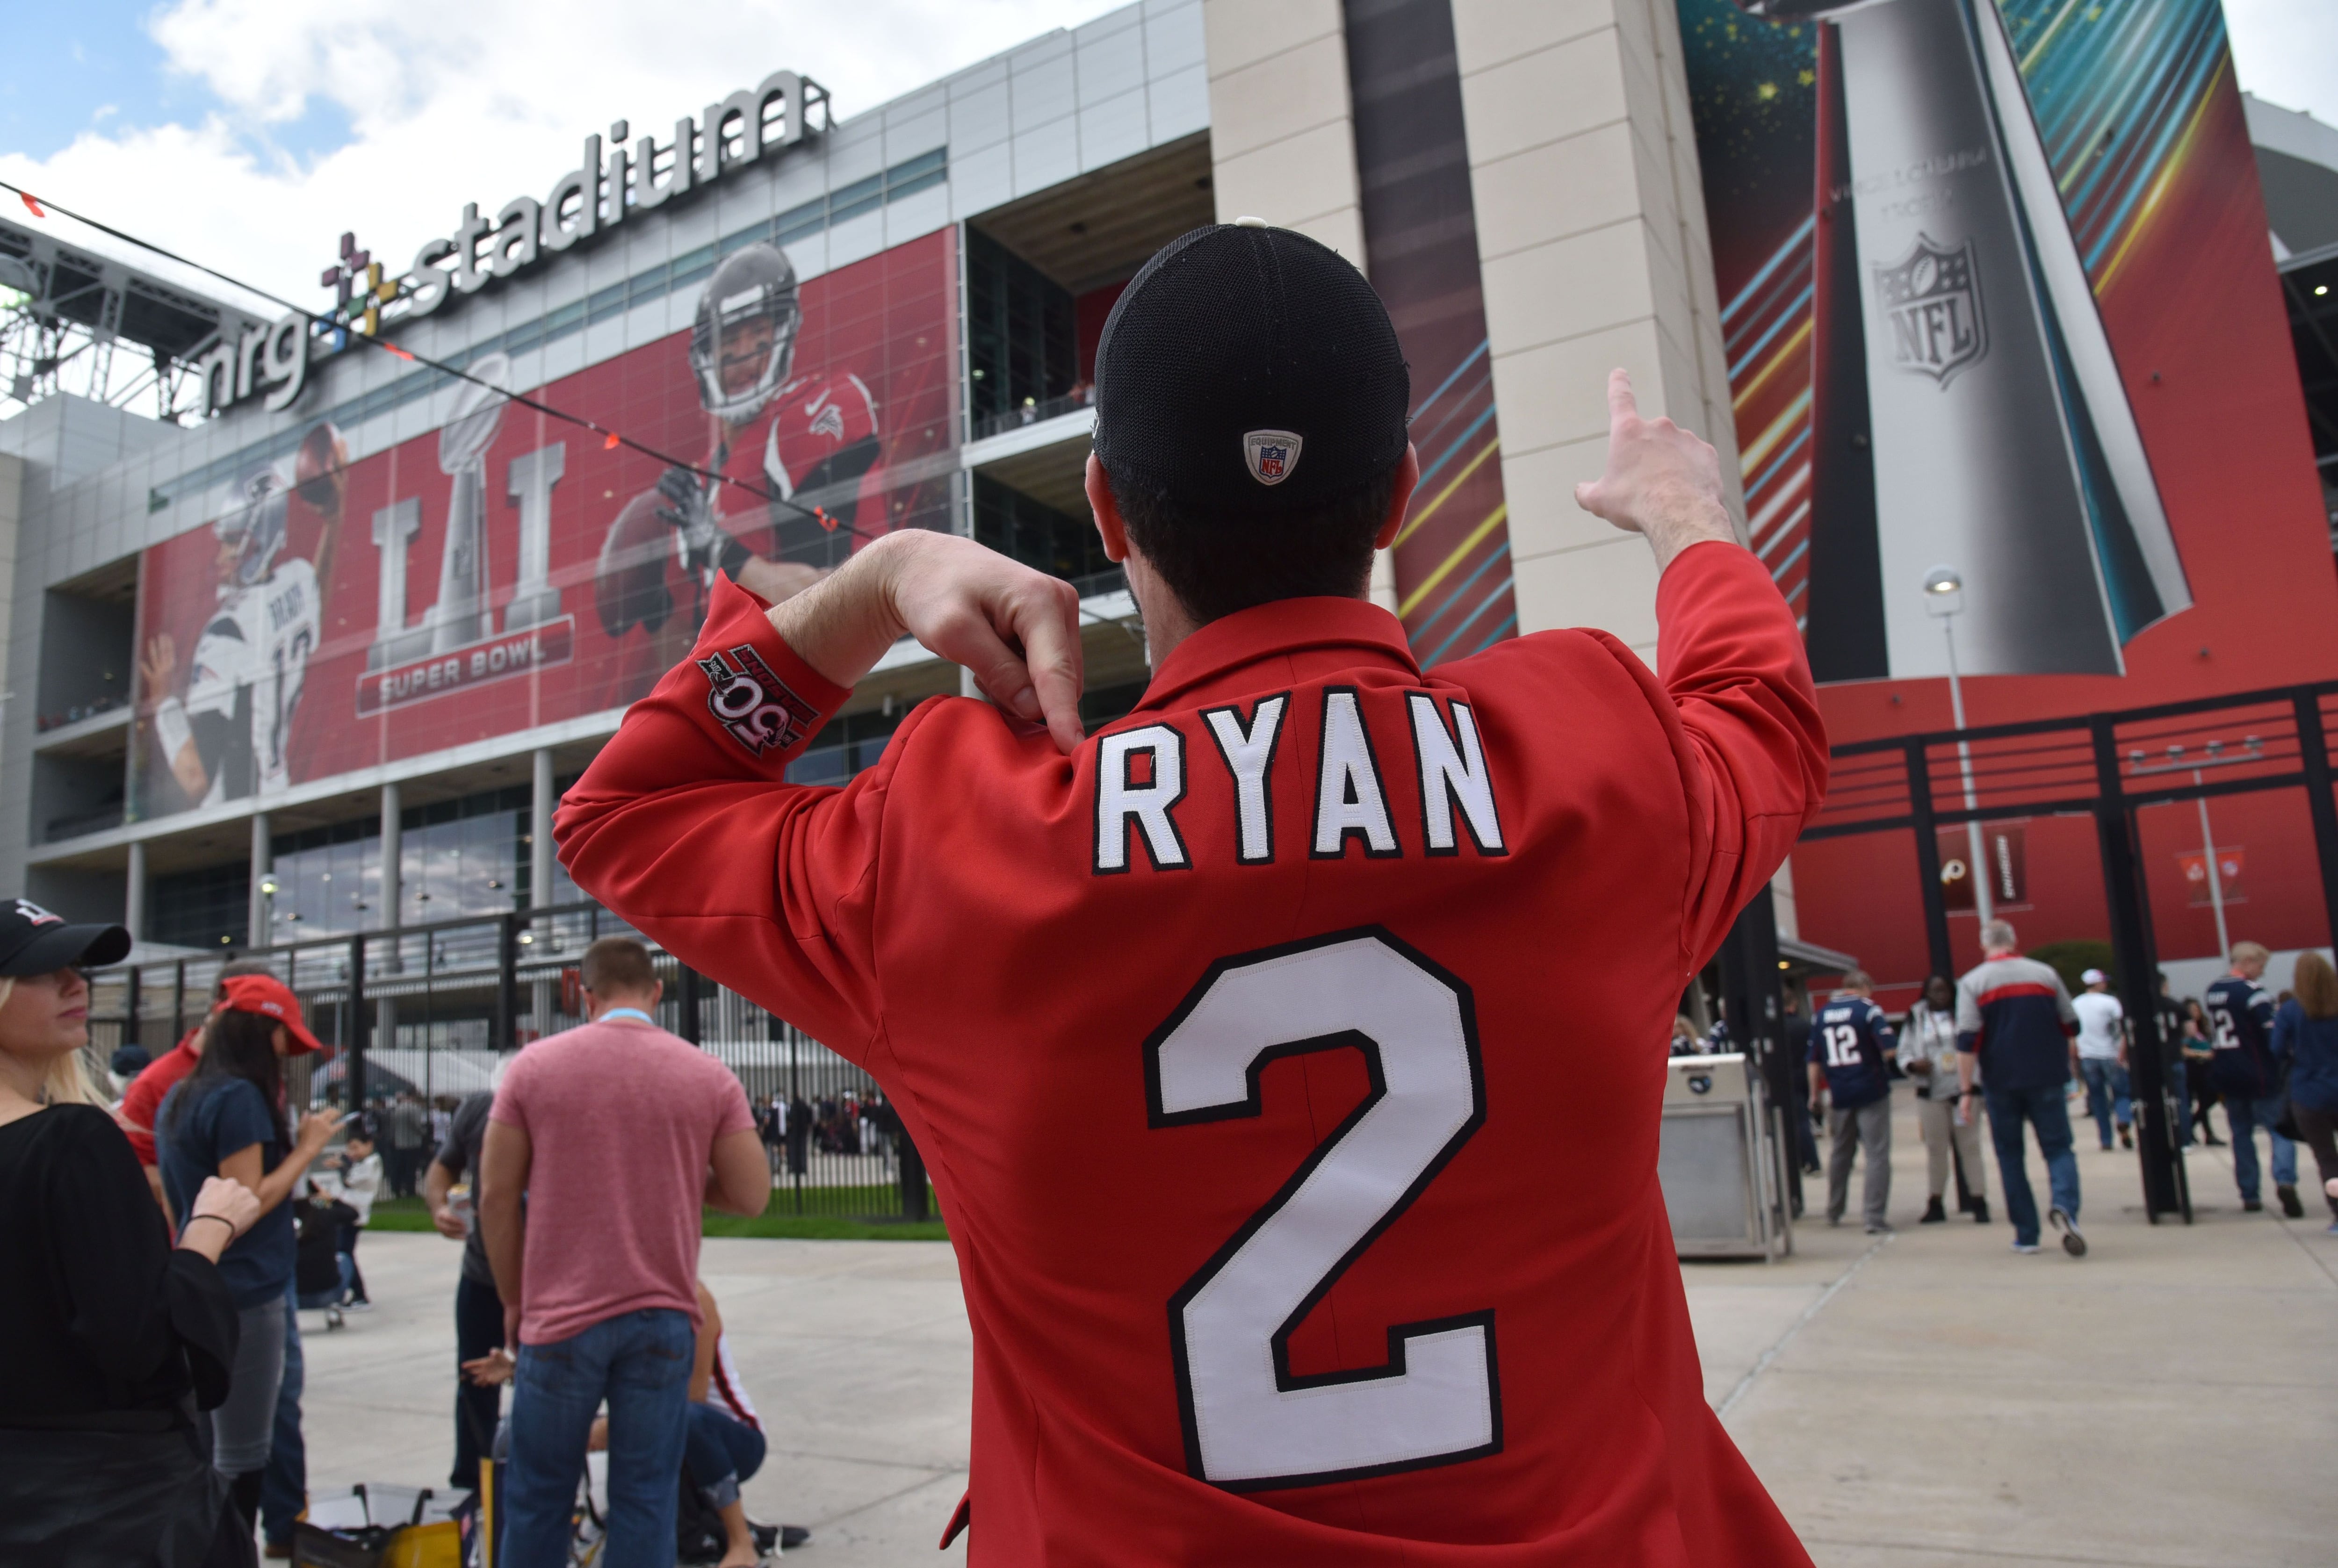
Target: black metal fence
[430, 1011]
[2108, 767]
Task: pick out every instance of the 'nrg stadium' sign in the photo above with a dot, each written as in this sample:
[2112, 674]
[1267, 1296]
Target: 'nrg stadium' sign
[612, 181]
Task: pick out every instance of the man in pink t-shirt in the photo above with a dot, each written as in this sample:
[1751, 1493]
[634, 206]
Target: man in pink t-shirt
[617, 1132]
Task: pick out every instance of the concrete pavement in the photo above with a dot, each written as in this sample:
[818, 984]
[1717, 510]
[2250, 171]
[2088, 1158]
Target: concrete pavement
[1926, 1400]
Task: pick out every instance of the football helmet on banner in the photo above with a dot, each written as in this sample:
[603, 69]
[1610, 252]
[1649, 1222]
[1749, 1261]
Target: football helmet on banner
[255, 525]
[748, 312]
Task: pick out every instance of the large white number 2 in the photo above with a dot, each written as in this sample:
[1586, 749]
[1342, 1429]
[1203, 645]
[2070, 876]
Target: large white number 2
[1250, 1424]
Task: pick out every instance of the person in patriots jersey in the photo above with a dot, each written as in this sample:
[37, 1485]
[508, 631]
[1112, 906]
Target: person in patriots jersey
[1850, 1039]
[225, 734]
[2248, 1075]
[789, 465]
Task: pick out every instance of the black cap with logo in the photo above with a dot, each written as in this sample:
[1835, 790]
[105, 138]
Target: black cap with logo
[35, 942]
[1251, 371]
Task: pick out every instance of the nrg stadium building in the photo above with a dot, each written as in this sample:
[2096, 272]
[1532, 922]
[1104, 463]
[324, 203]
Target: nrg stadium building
[314, 653]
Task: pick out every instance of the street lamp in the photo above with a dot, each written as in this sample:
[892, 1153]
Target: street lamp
[2253, 751]
[1944, 597]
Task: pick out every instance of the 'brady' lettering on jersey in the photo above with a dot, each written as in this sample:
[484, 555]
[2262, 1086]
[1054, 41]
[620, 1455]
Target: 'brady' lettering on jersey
[1143, 774]
[752, 703]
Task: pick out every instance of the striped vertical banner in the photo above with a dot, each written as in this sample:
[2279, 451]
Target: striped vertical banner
[1420, 246]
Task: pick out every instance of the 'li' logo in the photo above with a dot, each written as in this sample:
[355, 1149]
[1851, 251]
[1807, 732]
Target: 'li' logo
[1270, 454]
[1932, 301]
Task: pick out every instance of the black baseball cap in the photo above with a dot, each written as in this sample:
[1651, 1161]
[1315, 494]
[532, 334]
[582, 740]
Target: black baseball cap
[35, 942]
[1251, 371]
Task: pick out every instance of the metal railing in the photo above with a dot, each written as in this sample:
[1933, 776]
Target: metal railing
[432, 1010]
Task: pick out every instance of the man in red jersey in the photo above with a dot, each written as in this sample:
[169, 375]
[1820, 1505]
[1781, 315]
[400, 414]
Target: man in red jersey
[1233, 1034]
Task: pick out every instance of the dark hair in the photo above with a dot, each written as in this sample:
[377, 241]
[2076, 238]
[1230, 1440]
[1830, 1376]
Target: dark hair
[617, 964]
[235, 966]
[237, 1045]
[1217, 565]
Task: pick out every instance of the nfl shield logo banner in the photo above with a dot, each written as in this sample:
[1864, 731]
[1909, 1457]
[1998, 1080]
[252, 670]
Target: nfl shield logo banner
[1270, 454]
[1931, 300]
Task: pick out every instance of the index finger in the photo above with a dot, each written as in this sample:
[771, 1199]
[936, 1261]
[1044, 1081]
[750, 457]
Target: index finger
[1048, 627]
[1621, 404]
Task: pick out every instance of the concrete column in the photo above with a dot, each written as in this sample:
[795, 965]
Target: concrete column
[391, 893]
[1283, 144]
[1594, 253]
[262, 863]
[540, 807]
[541, 995]
[385, 1011]
[134, 892]
[1283, 141]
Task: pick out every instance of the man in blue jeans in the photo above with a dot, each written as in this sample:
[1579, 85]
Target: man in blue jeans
[2248, 1076]
[2102, 1056]
[616, 1132]
[2014, 1029]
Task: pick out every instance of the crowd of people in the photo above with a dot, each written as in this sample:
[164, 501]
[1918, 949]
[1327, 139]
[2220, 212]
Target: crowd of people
[2008, 1044]
[162, 1239]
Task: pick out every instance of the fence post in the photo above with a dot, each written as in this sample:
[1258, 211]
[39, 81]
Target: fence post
[179, 1002]
[685, 995]
[506, 982]
[2313, 748]
[1927, 861]
[129, 1022]
[914, 1208]
[357, 1021]
[1753, 1000]
[2138, 973]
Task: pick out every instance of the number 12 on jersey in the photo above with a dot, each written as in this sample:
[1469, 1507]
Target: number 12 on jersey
[1250, 1424]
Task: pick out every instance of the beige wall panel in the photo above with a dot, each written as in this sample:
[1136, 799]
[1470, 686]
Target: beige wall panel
[1342, 231]
[1611, 586]
[1545, 293]
[1544, 97]
[1289, 181]
[1543, 517]
[1569, 187]
[1557, 393]
[1295, 91]
[1489, 32]
[1239, 33]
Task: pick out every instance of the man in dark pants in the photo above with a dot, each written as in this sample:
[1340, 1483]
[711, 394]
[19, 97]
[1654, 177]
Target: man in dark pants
[478, 1309]
[2015, 1025]
[1848, 1043]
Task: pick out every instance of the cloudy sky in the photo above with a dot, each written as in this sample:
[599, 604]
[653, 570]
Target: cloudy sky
[248, 133]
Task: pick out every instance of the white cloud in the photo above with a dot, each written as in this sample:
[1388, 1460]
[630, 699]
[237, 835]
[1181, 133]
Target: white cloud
[451, 100]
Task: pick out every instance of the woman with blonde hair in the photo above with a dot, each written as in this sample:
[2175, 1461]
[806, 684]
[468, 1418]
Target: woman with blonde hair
[2305, 1031]
[114, 1337]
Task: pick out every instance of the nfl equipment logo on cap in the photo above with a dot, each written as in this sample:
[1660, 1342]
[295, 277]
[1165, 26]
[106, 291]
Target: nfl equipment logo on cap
[1270, 454]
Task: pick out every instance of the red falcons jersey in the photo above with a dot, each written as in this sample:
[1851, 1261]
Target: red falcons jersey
[1289, 1059]
[794, 443]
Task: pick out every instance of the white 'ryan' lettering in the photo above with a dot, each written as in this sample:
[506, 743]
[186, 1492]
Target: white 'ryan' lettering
[1450, 774]
[1118, 799]
[1247, 759]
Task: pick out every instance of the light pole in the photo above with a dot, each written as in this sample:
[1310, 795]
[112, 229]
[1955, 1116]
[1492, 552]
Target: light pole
[1944, 596]
[2253, 751]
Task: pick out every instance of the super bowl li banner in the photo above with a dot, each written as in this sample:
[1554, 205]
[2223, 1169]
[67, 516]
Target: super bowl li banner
[509, 568]
[1927, 220]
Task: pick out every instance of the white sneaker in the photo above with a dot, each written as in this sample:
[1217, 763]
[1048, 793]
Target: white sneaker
[2025, 1247]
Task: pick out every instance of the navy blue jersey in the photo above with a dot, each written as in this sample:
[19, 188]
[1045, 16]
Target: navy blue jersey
[2240, 1028]
[1850, 1038]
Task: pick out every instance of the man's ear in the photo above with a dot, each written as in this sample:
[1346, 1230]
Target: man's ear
[1106, 510]
[1407, 479]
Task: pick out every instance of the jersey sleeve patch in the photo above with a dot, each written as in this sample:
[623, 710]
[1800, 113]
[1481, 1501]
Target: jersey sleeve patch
[752, 705]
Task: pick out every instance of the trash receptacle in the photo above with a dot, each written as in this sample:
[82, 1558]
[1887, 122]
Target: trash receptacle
[1718, 1161]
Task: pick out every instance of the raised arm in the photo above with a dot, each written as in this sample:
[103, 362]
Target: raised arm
[685, 824]
[1735, 681]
